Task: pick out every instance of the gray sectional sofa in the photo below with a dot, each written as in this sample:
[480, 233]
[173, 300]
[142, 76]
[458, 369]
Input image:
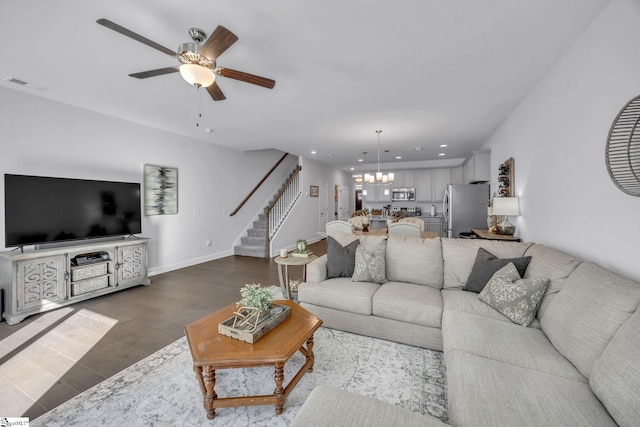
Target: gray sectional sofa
[576, 364]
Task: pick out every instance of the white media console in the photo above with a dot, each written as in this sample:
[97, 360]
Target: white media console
[45, 279]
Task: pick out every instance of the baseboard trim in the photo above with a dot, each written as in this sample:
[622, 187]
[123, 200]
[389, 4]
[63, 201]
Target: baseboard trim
[189, 262]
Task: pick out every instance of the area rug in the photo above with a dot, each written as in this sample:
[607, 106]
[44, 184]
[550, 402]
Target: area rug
[161, 390]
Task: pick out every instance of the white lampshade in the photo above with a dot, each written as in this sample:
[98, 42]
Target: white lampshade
[507, 206]
[378, 176]
[197, 75]
[391, 176]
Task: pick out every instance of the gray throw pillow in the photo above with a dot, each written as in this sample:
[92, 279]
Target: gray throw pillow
[340, 259]
[487, 264]
[370, 266]
[516, 298]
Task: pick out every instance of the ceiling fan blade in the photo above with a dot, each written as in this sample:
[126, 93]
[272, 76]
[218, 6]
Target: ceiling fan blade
[215, 92]
[218, 42]
[246, 77]
[125, 32]
[153, 73]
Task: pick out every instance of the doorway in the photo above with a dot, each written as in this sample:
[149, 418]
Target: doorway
[342, 202]
[324, 205]
[358, 200]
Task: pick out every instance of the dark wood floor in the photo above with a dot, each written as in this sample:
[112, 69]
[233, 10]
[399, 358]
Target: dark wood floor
[38, 369]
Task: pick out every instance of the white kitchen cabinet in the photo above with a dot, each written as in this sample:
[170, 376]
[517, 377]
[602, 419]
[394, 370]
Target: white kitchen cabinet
[456, 175]
[477, 168]
[440, 179]
[424, 185]
[377, 193]
[404, 178]
[434, 223]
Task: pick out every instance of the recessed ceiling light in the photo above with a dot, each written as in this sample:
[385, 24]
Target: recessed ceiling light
[313, 151]
[441, 154]
[443, 145]
[398, 157]
[208, 130]
[361, 160]
[352, 168]
[418, 148]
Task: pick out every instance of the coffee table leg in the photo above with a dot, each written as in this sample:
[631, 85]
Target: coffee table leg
[279, 391]
[210, 394]
[310, 356]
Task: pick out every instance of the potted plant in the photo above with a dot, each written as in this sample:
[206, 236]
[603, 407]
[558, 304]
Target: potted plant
[301, 246]
[255, 306]
[258, 297]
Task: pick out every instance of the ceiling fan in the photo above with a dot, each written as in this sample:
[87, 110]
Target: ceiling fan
[198, 62]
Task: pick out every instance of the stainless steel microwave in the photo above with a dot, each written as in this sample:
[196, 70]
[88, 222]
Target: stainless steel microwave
[403, 194]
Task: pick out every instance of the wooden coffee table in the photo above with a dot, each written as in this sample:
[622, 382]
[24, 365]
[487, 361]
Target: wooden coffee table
[211, 351]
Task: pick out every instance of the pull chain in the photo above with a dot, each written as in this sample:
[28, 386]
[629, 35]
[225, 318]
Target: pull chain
[199, 106]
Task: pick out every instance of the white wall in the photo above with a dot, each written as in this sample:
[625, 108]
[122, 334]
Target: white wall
[558, 136]
[304, 223]
[43, 137]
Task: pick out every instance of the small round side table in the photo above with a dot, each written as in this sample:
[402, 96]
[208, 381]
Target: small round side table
[283, 270]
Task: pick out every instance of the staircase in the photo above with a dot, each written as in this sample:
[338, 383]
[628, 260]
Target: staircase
[255, 243]
[258, 238]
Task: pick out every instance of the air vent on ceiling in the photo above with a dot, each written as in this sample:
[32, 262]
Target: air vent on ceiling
[23, 83]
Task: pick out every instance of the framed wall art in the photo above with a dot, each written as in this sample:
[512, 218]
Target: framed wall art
[160, 190]
[314, 191]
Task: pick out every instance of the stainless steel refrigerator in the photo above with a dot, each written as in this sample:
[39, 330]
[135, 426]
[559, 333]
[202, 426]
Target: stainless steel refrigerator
[465, 207]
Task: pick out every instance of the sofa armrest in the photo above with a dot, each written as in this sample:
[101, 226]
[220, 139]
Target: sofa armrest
[328, 406]
[317, 270]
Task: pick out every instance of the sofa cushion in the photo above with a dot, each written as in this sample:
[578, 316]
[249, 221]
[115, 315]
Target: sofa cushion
[505, 342]
[587, 312]
[371, 242]
[369, 266]
[458, 300]
[459, 256]
[340, 259]
[486, 264]
[485, 392]
[317, 269]
[552, 264]
[408, 302]
[339, 293]
[414, 260]
[616, 375]
[327, 406]
[516, 298]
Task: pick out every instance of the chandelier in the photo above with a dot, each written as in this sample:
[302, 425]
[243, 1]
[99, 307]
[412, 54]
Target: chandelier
[379, 178]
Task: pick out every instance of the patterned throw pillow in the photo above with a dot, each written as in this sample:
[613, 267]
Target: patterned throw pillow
[516, 298]
[370, 266]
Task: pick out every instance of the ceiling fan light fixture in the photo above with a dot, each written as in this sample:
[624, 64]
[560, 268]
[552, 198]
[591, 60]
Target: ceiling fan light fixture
[197, 75]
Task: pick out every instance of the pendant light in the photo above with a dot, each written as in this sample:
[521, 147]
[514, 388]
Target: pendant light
[379, 178]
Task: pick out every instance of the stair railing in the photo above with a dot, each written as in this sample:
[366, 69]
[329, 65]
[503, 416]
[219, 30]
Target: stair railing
[235, 211]
[279, 208]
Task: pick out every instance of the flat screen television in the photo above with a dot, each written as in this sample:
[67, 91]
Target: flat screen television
[39, 210]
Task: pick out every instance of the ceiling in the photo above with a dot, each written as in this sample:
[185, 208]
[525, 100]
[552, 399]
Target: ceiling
[424, 72]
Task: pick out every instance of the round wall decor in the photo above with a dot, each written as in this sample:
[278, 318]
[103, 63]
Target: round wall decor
[623, 149]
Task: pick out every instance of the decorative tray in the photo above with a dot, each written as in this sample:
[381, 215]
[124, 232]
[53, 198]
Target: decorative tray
[251, 331]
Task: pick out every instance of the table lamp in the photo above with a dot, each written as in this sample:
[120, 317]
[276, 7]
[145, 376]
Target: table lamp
[505, 207]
